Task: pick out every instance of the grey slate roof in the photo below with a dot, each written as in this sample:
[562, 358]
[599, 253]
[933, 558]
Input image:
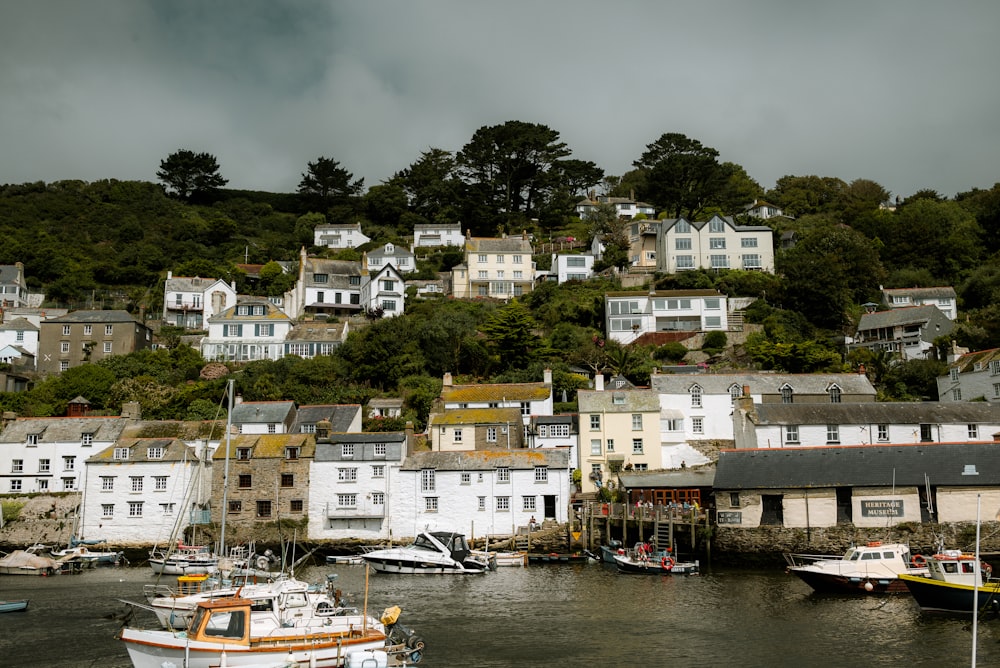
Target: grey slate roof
[262, 412]
[340, 416]
[188, 284]
[907, 315]
[63, 429]
[859, 466]
[764, 383]
[95, 316]
[18, 324]
[514, 244]
[922, 293]
[316, 331]
[593, 401]
[486, 460]
[702, 477]
[880, 412]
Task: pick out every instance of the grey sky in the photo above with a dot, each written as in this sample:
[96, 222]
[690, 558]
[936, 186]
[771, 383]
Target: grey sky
[903, 92]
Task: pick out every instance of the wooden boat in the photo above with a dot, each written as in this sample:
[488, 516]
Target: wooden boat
[22, 562]
[873, 568]
[643, 559]
[228, 632]
[13, 606]
[430, 553]
[952, 583]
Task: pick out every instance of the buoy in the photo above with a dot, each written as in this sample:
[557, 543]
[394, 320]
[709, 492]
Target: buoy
[869, 586]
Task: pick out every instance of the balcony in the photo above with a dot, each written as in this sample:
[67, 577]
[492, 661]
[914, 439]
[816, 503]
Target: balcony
[362, 511]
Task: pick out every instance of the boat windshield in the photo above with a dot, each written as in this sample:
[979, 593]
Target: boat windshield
[424, 543]
[852, 555]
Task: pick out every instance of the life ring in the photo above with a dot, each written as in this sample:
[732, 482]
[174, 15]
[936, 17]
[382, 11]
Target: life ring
[918, 561]
[667, 563]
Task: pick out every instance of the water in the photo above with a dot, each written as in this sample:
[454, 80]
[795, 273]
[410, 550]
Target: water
[550, 615]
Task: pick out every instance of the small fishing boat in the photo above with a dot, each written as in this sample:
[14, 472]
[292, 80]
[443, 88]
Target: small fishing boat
[430, 553]
[644, 559]
[229, 632]
[13, 606]
[345, 559]
[22, 562]
[184, 560]
[873, 568]
[89, 556]
[952, 584]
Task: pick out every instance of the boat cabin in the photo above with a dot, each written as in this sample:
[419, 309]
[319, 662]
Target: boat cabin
[958, 567]
[222, 621]
[876, 551]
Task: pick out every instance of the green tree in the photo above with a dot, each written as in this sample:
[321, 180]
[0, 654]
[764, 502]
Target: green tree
[191, 175]
[330, 188]
[681, 175]
[432, 187]
[942, 237]
[510, 332]
[801, 195]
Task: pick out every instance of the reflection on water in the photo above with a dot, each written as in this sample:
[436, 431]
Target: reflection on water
[551, 615]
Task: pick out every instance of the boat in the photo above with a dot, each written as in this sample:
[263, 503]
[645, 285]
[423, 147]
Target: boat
[13, 606]
[952, 583]
[644, 559]
[89, 556]
[558, 558]
[184, 560]
[872, 568]
[509, 558]
[345, 559]
[22, 562]
[431, 552]
[229, 632]
[609, 551]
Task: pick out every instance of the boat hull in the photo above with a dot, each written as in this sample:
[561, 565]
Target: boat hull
[407, 567]
[655, 566]
[835, 583]
[13, 606]
[937, 596]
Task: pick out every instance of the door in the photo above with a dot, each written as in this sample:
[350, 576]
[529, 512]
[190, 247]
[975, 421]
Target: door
[772, 512]
[844, 509]
[549, 502]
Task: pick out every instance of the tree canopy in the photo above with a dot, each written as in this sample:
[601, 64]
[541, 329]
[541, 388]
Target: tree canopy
[191, 175]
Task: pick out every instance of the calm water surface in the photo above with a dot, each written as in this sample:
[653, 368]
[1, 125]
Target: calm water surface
[558, 615]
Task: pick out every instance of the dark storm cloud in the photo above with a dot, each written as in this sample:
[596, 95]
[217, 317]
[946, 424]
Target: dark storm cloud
[897, 91]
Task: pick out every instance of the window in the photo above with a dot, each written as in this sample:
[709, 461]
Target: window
[287, 480]
[136, 483]
[264, 330]
[685, 262]
[748, 242]
[482, 274]
[503, 503]
[388, 304]
[458, 436]
[89, 329]
[636, 446]
[135, 508]
[751, 261]
[518, 274]
[695, 396]
[295, 505]
[235, 506]
[834, 395]
[528, 503]
[637, 422]
[973, 431]
[430, 504]
[682, 227]
[953, 374]
[107, 483]
[541, 474]
[15, 485]
[466, 478]
[107, 510]
[682, 244]
[378, 498]
[427, 480]
[65, 330]
[719, 261]
[883, 432]
[595, 446]
[717, 243]
[160, 483]
[263, 509]
[380, 449]
[347, 475]
[109, 330]
[87, 439]
[293, 452]
[69, 463]
[107, 347]
[503, 474]
[525, 408]
[68, 484]
[43, 485]
[595, 422]
[786, 395]
[517, 259]
[500, 258]
[791, 433]
[154, 453]
[716, 225]
[698, 425]
[243, 454]
[63, 365]
[232, 330]
[245, 481]
[64, 347]
[347, 450]
[43, 465]
[610, 445]
[378, 471]
[996, 390]
[491, 434]
[576, 261]
[926, 433]
[483, 258]
[167, 508]
[32, 439]
[272, 428]
[832, 433]
[956, 394]
[17, 466]
[482, 503]
[623, 307]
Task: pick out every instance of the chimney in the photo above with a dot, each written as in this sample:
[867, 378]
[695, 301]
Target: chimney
[547, 376]
[170, 274]
[323, 429]
[446, 381]
[599, 382]
[408, 430]
[131, 410]
[861, 370]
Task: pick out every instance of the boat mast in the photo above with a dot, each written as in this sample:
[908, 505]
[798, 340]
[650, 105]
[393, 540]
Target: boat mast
[977, 574]
[225, 471]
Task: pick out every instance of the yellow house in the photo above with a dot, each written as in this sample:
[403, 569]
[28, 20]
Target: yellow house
[498, 268]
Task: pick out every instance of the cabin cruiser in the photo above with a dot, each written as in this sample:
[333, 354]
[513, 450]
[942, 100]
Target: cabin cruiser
[874, 567]
[955, 584]
[430, 552]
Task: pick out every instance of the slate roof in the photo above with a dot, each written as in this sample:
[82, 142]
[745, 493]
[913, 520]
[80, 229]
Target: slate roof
[315, 331]
[859, 466]
[764, 383]
[676, 478]
[665, 293]
[63, 429]
[922, 293]
[10, 273]
[967, 363]
[261, 412]
[174, 450]
[514, 244]
[880, 412]
[271, 312]
[189, 284]
[185, 430]
[468, 394]
[18, 324]
[668, 223]
[391, 402]
[268, 446]
[510, 415]
[486, 460]
[593, 401]
[340, 416]
[907, 315]
[95, 316]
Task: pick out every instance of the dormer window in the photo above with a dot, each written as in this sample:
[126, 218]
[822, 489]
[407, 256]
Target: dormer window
[321, 278]
[618, 398]
[87, 439]
[787, 394]
[696, 395]
[32, 439]
[347, 450]
[291, 453]
[243, 454]
[121, 454]
[154, 453]
[834, 394]
[735, 392]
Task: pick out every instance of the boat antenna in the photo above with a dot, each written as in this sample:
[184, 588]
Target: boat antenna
[225, 470]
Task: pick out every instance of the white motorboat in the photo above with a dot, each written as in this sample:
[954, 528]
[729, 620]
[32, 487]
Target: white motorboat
[230, 632]
[871, 568]
[431, 552]
[185, 560]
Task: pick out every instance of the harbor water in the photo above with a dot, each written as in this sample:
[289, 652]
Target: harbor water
[548, 615]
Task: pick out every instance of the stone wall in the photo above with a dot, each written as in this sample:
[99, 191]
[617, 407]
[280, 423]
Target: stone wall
[44, 518]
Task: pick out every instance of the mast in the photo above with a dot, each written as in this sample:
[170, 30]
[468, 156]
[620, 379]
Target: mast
[225, 471]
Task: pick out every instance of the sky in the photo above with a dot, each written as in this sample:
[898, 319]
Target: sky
[901, 92]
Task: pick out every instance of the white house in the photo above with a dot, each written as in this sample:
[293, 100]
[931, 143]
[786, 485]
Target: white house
[498, 268]
[263, 417]
[339, 236]
[704, 402]
[46, 455]
[328, 287]
[431, 235]
[943, 297]
[191, 301]
[21, 336]
[143, 490]
[572, 267]
[13, 286]
[907, 332]
[972, 377]
[558, 432]
[400, 257]
[529, 398]
[483, 492]
[384, 288]
[253, 329]
[764, 210]
[352, 480]
[718, 243]
[626, 207]
[629, 315]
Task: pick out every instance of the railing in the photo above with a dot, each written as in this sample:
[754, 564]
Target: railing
[334, 512]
